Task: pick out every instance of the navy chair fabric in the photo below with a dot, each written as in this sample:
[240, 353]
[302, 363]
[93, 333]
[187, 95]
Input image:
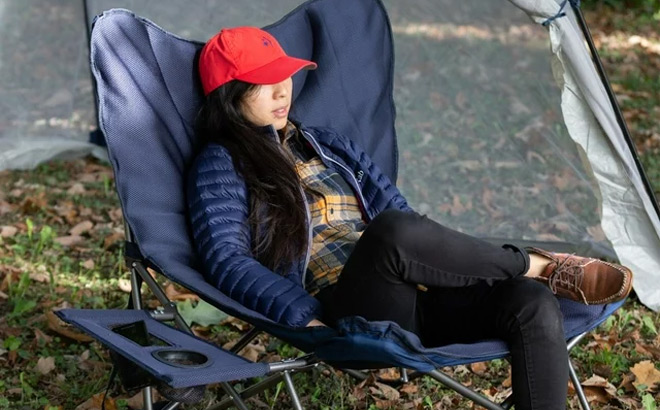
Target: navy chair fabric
[219, 366]
[148, 95]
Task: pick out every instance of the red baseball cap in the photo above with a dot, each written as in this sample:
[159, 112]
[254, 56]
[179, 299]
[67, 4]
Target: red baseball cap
[248, 54]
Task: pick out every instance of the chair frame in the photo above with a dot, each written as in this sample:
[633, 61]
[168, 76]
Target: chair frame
[282, 370]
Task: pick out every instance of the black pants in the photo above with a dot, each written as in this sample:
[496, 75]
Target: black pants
[475, 291]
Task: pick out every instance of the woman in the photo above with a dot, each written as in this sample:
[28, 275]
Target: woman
[300, 225]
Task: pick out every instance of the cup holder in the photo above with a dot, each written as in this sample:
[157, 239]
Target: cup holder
[181, 358]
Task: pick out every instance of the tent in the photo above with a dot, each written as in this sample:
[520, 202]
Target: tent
[506, 128]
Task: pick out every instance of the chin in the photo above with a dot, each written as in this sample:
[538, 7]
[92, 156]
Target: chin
[280, 124]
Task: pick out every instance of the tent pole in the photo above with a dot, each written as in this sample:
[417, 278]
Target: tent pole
[615, 105]
[95, 136]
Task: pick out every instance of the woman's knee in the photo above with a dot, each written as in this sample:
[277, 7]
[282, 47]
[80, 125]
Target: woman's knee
[527, 303]
[393, 226]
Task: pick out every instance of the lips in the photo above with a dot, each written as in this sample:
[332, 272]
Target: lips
[281, 112]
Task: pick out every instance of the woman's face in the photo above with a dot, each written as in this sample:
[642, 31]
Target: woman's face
[269, 104]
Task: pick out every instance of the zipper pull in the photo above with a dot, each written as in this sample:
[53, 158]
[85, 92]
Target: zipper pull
[359, 175]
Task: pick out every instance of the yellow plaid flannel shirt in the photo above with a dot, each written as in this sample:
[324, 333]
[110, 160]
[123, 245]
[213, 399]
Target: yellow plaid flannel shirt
[335, 212]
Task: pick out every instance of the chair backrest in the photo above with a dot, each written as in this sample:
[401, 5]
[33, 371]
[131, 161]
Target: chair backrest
[149, 95]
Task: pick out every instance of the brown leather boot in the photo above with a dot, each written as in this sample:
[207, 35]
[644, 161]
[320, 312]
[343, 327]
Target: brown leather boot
[587, 280]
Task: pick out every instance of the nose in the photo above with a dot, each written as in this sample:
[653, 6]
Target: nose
[279, 89]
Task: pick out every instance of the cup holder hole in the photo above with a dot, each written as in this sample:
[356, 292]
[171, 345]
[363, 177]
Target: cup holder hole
[181, 358]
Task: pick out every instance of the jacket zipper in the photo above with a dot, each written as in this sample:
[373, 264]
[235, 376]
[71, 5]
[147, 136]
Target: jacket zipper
[308, 215]
[308, 255]
[357, 185]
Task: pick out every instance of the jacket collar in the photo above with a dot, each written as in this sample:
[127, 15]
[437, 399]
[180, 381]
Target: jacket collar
[269, 131]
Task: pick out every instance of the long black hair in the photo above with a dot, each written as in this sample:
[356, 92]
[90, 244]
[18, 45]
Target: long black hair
[277, 207]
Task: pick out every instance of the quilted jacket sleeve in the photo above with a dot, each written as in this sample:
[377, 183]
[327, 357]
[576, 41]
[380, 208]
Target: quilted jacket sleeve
[218, 211]
[377, 187]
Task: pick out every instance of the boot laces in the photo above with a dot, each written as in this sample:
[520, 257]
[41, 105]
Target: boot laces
[568, 274]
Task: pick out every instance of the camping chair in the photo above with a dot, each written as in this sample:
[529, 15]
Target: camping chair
[148, 95]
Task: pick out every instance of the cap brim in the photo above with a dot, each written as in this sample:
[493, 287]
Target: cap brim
[277, 70]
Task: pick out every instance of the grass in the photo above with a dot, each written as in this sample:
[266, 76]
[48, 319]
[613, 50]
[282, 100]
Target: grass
[46, 367]
[44, 275]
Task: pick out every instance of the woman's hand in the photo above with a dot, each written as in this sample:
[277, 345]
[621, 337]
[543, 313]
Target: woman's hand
[316, 322]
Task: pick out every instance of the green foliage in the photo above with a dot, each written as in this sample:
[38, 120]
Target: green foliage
[648, 325]
[203, 313]
[648, 402]
[651, 163]
[649, 7]
[20, 302]
[12, 343]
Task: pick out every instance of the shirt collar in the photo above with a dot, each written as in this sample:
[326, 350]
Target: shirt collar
[290, 130]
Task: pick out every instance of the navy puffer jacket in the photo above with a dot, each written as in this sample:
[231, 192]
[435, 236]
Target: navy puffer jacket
[218, 211]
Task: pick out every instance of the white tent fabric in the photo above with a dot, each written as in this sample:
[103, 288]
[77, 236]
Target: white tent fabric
[629, 219]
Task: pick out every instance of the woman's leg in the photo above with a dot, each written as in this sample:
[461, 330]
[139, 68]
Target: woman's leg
[416, 249]
[412, 248]
[521, 311]
[400, 250]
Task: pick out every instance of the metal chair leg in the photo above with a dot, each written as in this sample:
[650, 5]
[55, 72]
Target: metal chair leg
[292, 390]
[584, 403]
[235, 397]
[464, 391]
[146, 399]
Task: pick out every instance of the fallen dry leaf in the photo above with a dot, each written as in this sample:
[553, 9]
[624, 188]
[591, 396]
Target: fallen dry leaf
[391, 373]
[40, 277]
[124, 285]
[112, 239]
[115, 215]
[409, 388]
[137, 401]
[62, 328]
[8, 231]
[174, 294]
[384, 391]
[88, 264]
[650, 350]
[252, 351]
[11, 275]
[598, 389]
[507, 382]
[81, 228]
[645, 375]
[597, 381]
[479, 368]
[34, 204]
[627, 383]
[596, 394]
[39, 336]
[95, 402]
[76, 189]
[386, 404]
[45, 365]
[69, 240]
[6, 207]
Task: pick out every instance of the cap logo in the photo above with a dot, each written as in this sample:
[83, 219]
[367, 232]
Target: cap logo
[266, 42]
